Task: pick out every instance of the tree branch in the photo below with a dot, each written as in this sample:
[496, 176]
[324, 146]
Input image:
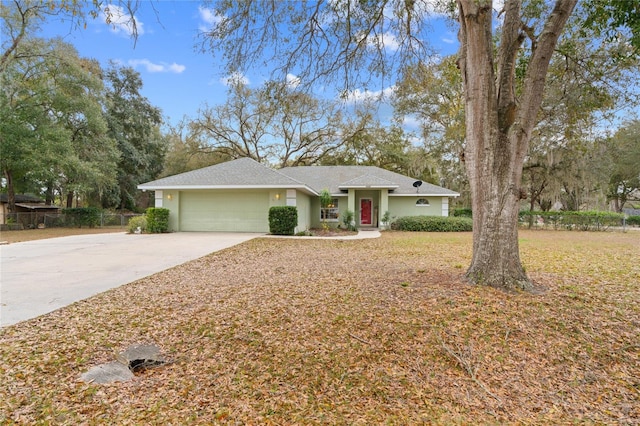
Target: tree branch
[510, 43]
[533, 89]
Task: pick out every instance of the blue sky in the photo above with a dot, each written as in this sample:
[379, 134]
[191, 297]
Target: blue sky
[177, 79]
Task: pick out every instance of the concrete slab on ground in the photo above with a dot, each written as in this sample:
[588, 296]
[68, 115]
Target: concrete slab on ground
[38, 277]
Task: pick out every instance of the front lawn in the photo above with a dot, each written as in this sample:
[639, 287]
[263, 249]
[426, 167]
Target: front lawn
[375, 331]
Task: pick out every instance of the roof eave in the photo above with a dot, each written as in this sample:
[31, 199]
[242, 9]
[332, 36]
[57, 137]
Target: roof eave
[368, 187]
[455, 194]
[145, 187]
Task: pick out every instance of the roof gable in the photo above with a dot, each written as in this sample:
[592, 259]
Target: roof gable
[368, 181]
[338, 179]
[243, 172]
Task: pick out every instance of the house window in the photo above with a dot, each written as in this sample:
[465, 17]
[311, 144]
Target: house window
[422, 202]
[331, 211]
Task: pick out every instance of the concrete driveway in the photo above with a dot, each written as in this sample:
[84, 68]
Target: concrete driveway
[37, 277]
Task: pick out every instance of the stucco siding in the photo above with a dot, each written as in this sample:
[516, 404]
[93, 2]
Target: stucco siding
[406, 206]
[314, 213]
[170, 200]
[314, 205]
[224, 210]
[303, 203]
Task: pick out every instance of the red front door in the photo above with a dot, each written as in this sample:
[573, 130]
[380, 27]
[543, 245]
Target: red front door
[365, 211]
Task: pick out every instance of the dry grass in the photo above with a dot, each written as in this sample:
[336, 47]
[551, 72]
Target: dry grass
[284, 331]
[41, 234]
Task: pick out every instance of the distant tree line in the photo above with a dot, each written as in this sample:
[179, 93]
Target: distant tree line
[75, 132]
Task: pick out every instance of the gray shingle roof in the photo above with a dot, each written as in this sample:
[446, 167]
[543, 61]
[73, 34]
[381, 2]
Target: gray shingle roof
[248, 173]
[337, 178]
[368, 181]
[21, 198]
[243, 172]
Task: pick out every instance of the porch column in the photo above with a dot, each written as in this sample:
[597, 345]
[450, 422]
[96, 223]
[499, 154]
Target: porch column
[384, 204]
[445, 206]
[351, 202]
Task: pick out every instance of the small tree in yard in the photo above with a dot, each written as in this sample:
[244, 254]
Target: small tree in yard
[347, 220]
[325, 202]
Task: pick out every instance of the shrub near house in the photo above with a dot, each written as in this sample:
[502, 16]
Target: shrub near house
[137, 224]
[283, 220]
[82, 216]
[157, 220]
[432, 224]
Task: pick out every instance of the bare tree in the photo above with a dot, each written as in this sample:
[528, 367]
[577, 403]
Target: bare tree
[239, 127]
[306, 128]
[274, 124]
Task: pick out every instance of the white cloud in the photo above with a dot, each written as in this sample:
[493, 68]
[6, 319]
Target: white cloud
[411, 121]
[159, 67]
[357, 95]
[385, 41]
[209, 17]
[498, 5]
[235, 78]
[176, 68]
[120, 21]
[293, 81]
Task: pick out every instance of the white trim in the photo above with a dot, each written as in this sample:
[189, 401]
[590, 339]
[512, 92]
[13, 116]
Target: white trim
[187, 187]
[454, 195]
[351, 186]
[337, 208]
[154, 187]
[304, 188]
[368, 186]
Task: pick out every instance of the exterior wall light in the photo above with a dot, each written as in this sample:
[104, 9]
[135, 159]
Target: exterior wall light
[169, 197]
[277, 196]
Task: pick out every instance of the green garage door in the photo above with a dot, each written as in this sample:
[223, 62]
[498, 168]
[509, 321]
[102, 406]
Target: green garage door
[232, 211]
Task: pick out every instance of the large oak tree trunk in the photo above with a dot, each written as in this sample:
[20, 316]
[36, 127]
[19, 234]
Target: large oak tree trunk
[498, 130]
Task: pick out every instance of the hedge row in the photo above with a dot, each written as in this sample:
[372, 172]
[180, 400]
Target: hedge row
[462, 212]
[432, 224]
[82, 216]
[584, 221]
[633, 221]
